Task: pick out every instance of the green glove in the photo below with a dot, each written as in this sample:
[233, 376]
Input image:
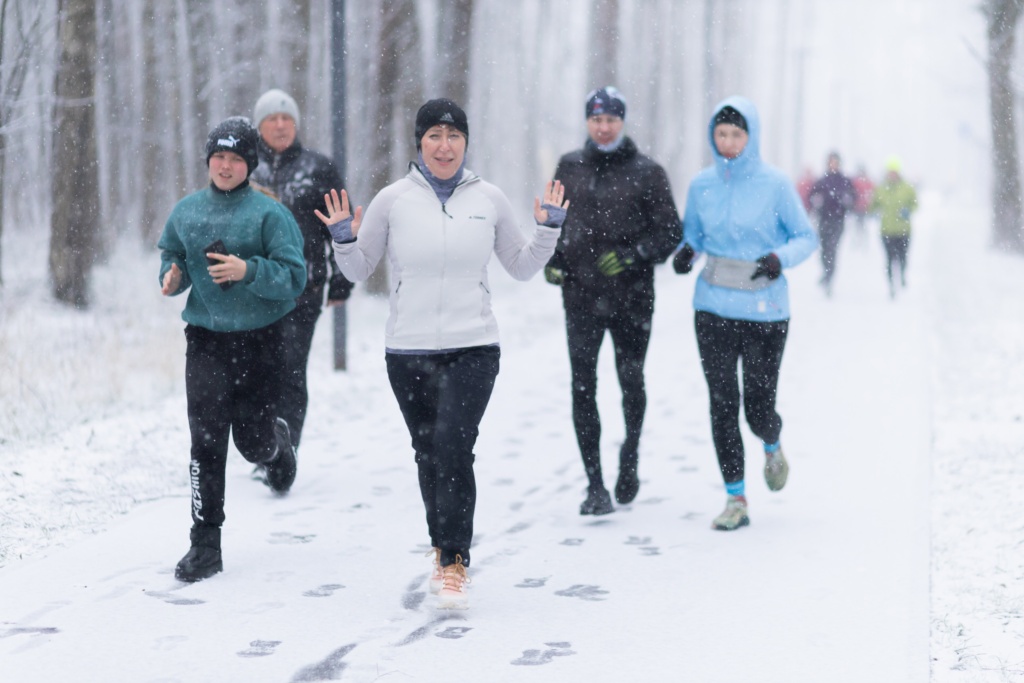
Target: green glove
[555, 276]
[614, 262]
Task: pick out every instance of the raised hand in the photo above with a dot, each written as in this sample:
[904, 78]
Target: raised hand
[551, 211]
[338, 211]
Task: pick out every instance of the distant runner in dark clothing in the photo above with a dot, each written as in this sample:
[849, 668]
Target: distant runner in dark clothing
[831, 197]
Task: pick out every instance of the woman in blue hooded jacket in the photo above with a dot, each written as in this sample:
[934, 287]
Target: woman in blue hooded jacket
[747, 218]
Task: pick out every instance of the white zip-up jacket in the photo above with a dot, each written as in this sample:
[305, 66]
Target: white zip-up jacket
[438, 253]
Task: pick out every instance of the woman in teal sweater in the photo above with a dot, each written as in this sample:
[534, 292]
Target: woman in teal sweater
[239, 255]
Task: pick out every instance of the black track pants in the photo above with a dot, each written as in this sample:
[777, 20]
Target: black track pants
[233, 384]
[629, 322]
[896, 252]
[298, 328]
[443, 398]
[830, 231]
[722, 344]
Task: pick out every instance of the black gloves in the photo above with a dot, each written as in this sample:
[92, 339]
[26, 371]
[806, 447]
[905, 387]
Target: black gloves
[769, 266]
[682, 262]
[339, 288]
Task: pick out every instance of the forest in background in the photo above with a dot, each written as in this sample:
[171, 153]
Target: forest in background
[165, 71]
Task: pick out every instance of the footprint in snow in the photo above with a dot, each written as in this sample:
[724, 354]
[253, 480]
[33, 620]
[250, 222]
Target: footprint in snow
[279, 537]
[324, 591]
[454, 632]
[260, 648]
[28, 631]
[572, 541]
[173, 599]
[168, 642]
[538, 657]
[583, 592]
[412, 600]
[533, 583]
[638, 540]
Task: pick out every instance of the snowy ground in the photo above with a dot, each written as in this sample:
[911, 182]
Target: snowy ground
[894, 554]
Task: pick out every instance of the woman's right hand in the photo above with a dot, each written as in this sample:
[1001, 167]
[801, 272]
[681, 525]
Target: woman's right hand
[172, 280]
[338, 210]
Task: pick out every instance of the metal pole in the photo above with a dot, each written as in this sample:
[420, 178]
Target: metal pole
[338, 152]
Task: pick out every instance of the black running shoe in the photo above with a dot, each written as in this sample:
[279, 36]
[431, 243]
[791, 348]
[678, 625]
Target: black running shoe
[203, 559]
[627, 486]
[199, 563]
[281, 468]
[598, 502]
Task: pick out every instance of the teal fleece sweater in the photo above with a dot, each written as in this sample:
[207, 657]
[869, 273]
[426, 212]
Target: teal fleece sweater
[253, 227]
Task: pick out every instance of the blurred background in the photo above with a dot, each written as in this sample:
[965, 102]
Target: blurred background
[867, 78]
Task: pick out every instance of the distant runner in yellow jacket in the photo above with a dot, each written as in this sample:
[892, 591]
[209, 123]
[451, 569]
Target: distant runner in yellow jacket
[894, 201]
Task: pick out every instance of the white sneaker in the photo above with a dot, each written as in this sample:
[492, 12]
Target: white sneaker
[453, 593]
[734, 516]
[436, 581]
[776, 470]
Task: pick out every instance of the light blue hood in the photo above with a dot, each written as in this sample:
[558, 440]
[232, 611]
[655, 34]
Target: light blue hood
[749, 161]
[743, 209]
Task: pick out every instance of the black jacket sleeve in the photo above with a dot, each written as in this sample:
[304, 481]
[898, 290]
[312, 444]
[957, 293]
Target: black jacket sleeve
[664, 229]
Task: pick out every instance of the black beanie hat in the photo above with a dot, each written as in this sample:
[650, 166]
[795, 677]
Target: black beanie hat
[607, 100]
[235, 134]
[729, 115]
[440, 112]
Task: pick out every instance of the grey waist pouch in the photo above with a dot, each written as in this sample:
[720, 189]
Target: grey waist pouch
[733, 274]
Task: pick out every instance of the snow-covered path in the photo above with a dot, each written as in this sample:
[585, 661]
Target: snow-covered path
[329, 583]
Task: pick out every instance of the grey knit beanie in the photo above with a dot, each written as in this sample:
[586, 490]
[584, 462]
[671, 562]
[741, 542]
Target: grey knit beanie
[275, 101]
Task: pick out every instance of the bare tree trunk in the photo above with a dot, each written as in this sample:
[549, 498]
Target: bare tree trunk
[398, 39]
[153, 124]
[75, 200]
[297, 44]
[710, 69]
[603, 59]
[454, 23]
[205, 74]
[20, 24]
[1002, 17]
[188, 133]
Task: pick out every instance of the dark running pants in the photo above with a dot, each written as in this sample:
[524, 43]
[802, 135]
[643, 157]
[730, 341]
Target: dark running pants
[443, 398]
[896, 252]
[629, 323]
[298, 328]
[722, 344]
[830, 231]
[233, 384]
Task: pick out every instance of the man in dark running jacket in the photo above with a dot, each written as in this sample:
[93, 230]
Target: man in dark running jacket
[831, 197]
[621, 222]
[300, 178]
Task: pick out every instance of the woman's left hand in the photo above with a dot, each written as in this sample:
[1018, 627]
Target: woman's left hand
[230, 269]
[338, 210]
[554, 194]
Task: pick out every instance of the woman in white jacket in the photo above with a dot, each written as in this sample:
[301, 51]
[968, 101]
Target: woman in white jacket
[439, 226]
